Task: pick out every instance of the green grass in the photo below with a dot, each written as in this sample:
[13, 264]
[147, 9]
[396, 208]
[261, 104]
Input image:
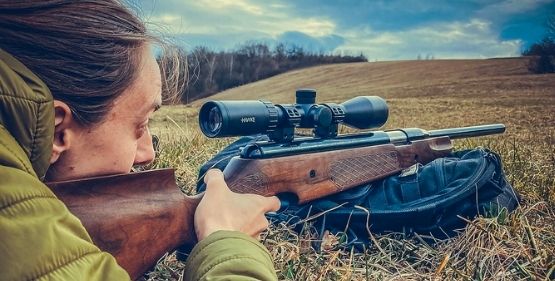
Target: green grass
[516, 246]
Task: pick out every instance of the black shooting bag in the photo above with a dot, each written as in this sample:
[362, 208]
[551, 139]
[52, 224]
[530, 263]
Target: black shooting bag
[425, 199]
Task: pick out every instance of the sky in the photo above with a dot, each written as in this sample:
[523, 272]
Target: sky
[381, 30]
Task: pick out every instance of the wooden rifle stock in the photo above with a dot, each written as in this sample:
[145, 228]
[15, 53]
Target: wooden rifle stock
[315, 175]
[135, 217]
[138, 217]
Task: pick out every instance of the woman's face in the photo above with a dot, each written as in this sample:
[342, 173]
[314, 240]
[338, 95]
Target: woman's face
[121, 140]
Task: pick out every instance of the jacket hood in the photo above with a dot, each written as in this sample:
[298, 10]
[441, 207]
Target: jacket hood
[27, 113]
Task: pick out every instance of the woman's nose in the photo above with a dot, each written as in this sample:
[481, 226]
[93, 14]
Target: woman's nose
[145, 150]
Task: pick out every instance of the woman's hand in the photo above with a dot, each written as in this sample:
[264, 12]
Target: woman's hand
[223, 209]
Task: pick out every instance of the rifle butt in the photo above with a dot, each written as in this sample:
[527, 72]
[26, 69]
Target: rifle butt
[135, 217]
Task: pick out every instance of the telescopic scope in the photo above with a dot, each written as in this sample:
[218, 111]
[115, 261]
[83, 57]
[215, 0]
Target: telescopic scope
[249, 117]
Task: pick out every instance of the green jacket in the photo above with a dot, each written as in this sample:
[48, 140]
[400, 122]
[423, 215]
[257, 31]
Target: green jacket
[41, 239]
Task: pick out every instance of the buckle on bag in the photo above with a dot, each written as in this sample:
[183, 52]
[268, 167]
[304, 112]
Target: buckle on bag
[412, 170]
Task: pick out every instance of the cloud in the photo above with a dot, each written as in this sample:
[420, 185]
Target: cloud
[470, 39]
[234, 40]
[225, 5]
[500, 11]
[231, 16]
[225, 24]
[385, 15]
[227, 41]
[326, 43]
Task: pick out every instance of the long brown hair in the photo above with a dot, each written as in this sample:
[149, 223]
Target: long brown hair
[86, 52]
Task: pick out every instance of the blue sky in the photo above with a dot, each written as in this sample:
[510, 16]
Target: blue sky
[381, 30]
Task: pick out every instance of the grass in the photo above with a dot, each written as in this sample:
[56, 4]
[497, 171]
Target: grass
[430, 95]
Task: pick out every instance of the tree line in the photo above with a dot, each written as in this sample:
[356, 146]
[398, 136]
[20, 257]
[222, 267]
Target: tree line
[212, 71]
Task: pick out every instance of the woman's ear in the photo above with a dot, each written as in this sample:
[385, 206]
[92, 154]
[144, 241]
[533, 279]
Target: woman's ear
[63, 121]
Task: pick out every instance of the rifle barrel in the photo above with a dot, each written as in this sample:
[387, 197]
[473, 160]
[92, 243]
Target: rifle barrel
[397, 136]
[466, 132]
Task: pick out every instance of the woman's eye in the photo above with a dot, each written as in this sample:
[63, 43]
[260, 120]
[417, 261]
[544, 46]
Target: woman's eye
[142, 130]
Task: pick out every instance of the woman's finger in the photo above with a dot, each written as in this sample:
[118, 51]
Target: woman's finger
[271, 204]
[213, 174]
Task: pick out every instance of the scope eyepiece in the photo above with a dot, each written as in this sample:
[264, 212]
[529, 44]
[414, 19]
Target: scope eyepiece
[215, 120]
[239, 118]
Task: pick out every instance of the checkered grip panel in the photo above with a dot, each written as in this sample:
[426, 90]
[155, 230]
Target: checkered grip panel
[346, 172]
[254, 183]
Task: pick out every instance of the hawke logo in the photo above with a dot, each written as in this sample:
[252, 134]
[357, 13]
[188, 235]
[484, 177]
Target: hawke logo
[248, 120]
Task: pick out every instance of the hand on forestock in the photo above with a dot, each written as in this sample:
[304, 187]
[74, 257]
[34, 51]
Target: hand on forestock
[223, 209]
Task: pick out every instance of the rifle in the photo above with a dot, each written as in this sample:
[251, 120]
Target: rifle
[138, 217]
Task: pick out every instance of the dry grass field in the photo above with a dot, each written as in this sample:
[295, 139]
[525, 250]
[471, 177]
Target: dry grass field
[426, 94]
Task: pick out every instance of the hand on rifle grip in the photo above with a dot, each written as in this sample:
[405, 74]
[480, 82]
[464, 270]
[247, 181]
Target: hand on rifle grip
[223, 209]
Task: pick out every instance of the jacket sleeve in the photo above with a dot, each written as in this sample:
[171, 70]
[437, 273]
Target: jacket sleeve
[41, 239]
[229, 255]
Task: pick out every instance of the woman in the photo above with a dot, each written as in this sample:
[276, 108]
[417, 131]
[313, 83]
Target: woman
[78, 83]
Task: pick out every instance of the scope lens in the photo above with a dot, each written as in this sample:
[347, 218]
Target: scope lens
[214, 120]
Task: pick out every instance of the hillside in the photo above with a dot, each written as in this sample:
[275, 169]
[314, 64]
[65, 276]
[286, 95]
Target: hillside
[391, 79]
[430, 94]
